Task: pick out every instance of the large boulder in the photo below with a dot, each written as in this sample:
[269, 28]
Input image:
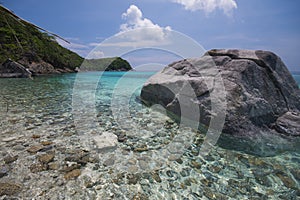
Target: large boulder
[251, 90]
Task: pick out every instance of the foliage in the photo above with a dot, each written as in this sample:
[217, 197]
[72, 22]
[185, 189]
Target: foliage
[19, 40]
[106, 64]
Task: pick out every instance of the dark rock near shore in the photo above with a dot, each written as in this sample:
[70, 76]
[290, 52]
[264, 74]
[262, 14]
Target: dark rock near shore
[252, 90]
[38, 66]
[12, 69]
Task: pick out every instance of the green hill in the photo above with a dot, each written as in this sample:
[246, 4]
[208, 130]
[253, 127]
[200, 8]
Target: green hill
[106, 64]
[23, 42]
[38, 51]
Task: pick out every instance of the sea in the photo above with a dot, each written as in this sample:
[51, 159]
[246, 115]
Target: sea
[88, 136]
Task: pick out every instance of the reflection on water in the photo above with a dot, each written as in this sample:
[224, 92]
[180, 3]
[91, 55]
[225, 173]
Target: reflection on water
[43, 154]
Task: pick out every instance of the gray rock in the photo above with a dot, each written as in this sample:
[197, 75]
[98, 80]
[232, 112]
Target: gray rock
[4, 170]
[12, 69]
[288, 124]
[253, 89]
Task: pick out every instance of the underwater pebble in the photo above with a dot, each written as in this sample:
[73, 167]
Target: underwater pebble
[72, 174]
[35, 149]
[287, 181]
[3, 170]
[46, 158]
[9, 159]
[9, 188]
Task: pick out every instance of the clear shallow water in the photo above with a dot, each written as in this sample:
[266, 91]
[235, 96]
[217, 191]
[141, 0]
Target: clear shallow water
[156, 160]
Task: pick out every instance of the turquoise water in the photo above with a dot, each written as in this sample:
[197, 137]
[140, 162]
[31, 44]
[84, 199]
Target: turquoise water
[68, 115]
[297, 78]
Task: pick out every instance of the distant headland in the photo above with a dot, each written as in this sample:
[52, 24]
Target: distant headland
[28, 50]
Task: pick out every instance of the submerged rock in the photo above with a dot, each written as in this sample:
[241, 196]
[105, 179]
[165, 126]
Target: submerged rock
[7, 188]
[46, 158]
[34, 149]
[10, 159]
[260, 92]
[72, 174]
[4, 170]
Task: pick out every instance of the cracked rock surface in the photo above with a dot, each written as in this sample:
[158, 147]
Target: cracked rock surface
[252, 89]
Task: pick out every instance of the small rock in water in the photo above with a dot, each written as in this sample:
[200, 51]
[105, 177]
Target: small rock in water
[71, 167]
[9, 188]
[9, 139]
[172, 174]
[121, 139]
[109, 162]
[35, 149]
[34, 136]
[72, 174]
[141, 149]
[261, 178]
[106, 141]
[287, 181]
[46, 143]
[132, 169]
[88, 183]
[214, 168]
[3, 170]
[53, 165]
[80, 157]
[209, 194]
[140, 196]
[296, 173]
[37, 167]
[9, 159]
[185, 172]
[19, 147]
[46, 158]
[195, 164]
[156, 177]
[133, 178]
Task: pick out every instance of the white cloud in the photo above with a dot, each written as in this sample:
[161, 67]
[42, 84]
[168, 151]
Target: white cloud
[85, 50]
[71, 45]
[208, 6]
[94, 44]
[95, 54]
[142, 29]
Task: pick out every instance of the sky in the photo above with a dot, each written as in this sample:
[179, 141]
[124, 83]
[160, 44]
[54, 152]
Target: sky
[209, 24]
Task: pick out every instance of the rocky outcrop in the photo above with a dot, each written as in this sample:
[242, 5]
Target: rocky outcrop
[11, 69]
[25, 69]
[252, 89]
[38, 66]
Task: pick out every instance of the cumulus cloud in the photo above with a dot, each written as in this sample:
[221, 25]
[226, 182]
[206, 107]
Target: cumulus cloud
[142, 29]
[208, 6]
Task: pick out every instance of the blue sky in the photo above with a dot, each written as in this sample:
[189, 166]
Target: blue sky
[250, 24]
